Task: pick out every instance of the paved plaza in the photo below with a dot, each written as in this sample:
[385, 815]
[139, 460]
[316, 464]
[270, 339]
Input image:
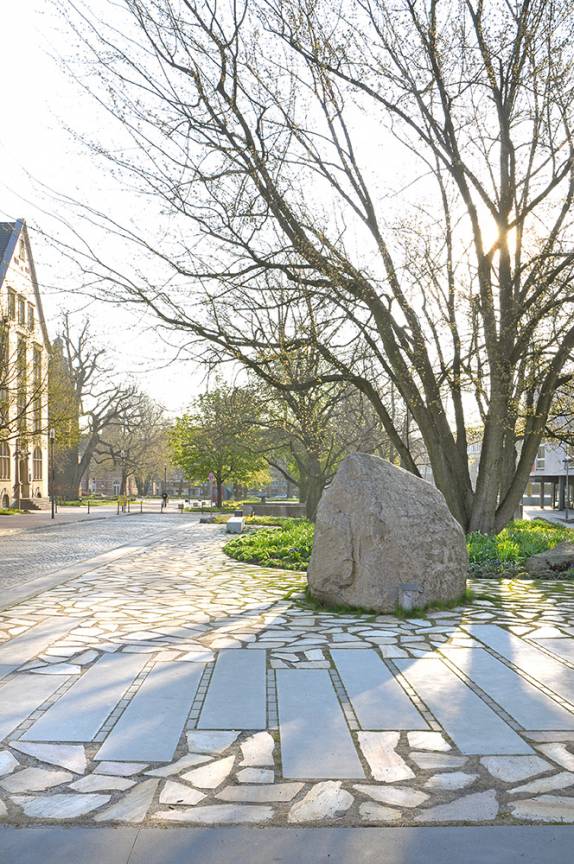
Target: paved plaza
[172, 686]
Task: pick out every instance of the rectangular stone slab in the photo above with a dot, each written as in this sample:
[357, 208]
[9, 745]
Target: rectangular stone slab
[377, 698]
[80, 713]
[562, 647]
[237, 694]
[552, 673]
[150, 727]
[34, 641]
[473, 726]
[22, 695]
[315, 740]
[519, 698]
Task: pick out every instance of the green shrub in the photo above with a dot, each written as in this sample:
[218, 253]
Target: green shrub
[505, 553]
[288, 547]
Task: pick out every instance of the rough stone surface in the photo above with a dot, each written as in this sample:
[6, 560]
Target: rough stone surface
[371, 812]
[177, 793]
[60, 806]
[35, 780]
[258, 750]
[546, 784]
[553, 561]
[379, 751]
[133, 806]
[428, 741]
[8, 763]
[546, 808]
[432, 761]
[216, 813]
[364, 549]
[204, 741]
[99, 782]
[212, 775]
[400, 796]
[256, 775]
[70, 756]
[510, 769]
[559, 753]
[323, 801]
[479, 807]
[261, 794]
[451, 780]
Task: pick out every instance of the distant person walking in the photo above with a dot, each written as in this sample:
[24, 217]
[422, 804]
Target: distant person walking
[164, 501]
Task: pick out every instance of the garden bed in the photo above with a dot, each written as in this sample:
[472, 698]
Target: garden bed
[289, 546]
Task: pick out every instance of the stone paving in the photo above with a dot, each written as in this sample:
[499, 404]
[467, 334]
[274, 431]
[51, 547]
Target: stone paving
[26, 554]
[175, 686]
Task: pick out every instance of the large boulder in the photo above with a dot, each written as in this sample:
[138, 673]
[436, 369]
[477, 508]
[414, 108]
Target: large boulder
[383, 534]
[553, 562]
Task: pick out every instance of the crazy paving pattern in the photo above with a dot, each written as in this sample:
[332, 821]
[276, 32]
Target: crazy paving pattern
[177, 686]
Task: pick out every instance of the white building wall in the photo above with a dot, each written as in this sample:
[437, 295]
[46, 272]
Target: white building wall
[21, 313]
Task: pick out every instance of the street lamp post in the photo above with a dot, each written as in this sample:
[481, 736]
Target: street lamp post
[17, 474]
[19, 454]
[165, 478]
[52, 434]
[123, 480]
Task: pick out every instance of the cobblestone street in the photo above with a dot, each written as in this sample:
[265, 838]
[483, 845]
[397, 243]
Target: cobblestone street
[175, 686]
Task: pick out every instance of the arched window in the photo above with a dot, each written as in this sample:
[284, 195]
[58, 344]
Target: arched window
[4, 461]
[37, 464]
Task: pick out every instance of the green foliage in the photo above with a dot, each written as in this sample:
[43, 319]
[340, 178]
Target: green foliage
[504, 554]
[496, 554]
[10, 511]
[288, 547]
[219, 436]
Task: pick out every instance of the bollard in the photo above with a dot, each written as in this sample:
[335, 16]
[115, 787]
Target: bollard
[118, 513]
[409, 596]
[129, 505]
[141, 506]
[88, 506]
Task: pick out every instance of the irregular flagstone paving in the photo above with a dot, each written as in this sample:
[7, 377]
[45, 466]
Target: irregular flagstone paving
[175, 686]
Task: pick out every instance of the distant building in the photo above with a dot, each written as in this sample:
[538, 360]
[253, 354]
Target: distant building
[24, 352]
[551, 472]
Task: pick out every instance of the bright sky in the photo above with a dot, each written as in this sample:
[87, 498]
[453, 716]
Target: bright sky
[36, 151]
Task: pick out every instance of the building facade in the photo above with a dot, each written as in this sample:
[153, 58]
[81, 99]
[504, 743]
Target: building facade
[551, 481]
[24, 353]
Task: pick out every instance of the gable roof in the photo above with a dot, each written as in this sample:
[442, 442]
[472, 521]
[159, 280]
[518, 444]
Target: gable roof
[10, 233]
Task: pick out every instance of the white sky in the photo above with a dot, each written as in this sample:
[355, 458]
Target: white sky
[36, 151]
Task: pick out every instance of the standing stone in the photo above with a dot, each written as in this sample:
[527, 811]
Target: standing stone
[379, 528]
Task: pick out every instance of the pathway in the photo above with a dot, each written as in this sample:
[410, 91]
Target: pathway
[173, 686]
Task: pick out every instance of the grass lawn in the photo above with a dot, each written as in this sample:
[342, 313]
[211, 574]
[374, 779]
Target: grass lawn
[289, 546]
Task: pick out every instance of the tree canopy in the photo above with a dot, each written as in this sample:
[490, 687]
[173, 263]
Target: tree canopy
[220, 437]
[393, 183]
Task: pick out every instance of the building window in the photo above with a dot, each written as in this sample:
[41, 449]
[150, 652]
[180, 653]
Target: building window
[541, 458]
[37, 400]
[21, 310]
[4, 461]
[37, 464]
[31, 317]
[12, 305]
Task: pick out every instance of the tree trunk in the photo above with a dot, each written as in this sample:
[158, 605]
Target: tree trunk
[219, 482]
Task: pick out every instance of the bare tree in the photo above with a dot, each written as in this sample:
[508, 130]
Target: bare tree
[101, 402]
[136, 440]
[247, 124]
